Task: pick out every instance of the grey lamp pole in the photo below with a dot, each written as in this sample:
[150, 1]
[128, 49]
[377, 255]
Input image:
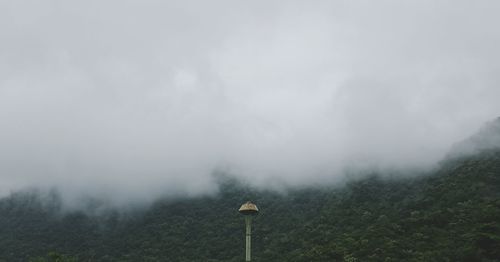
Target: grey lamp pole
[248, 209]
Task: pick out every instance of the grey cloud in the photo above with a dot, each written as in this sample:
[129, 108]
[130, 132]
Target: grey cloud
[143, 98]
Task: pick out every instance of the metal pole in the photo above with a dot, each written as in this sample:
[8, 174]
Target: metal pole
[248, 222]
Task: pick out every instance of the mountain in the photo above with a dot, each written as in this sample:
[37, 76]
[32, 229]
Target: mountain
[487, 138]
[450, 214]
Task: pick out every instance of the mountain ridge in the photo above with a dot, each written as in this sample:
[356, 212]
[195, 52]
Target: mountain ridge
[452, 213]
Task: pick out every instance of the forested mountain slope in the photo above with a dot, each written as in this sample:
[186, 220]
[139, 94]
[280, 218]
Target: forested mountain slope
[452, 214]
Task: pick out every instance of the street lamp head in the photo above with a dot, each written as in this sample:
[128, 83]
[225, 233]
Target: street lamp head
[249, 208]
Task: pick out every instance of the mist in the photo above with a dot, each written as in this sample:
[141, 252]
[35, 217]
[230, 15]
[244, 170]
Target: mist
[132, 100]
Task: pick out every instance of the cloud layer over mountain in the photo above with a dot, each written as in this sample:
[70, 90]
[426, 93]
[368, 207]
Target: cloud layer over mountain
[142, 98]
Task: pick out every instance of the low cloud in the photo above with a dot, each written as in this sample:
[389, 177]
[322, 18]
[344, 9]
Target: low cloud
[136, 99]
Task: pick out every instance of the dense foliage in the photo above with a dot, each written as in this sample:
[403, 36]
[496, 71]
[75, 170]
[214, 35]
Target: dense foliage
[452, 214]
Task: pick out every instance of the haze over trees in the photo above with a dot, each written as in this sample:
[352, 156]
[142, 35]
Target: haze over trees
[452, 214]
[133, 130]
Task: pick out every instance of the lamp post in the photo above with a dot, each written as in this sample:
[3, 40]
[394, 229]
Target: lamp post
[248, 209]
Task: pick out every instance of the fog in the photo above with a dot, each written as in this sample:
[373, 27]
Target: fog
[131, 100]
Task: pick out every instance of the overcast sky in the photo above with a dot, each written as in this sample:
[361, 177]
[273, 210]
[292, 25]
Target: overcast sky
[142, 98]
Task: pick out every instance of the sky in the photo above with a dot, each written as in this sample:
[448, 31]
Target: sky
[132, 100]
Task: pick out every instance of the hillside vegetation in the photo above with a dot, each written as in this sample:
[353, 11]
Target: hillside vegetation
[452, 214]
